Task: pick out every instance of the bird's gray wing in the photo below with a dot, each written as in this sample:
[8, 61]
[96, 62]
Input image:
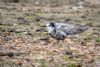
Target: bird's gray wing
[67, 28]
[70, 29]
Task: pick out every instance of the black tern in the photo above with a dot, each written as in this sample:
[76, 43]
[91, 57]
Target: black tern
[60, 31]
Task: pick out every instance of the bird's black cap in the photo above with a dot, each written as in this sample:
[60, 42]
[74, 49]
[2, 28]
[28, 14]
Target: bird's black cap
[52, 24]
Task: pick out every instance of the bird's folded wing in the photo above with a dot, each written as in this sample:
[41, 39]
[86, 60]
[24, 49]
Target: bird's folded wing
[68, 29]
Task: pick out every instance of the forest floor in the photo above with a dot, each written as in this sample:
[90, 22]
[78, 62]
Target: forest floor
[24, 41]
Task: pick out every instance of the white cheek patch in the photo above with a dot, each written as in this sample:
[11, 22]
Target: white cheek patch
[49, 29]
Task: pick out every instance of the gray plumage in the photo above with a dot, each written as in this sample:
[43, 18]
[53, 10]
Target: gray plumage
[61, 30]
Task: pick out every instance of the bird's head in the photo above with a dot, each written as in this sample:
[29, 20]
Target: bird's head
[52, 24]
[50, 27]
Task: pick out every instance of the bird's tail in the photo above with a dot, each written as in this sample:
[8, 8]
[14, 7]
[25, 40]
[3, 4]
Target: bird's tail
[82, 28]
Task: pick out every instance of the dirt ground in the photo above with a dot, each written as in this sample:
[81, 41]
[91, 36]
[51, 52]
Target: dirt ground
[24, 41]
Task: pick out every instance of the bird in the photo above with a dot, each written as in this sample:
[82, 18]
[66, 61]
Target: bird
[60, 31]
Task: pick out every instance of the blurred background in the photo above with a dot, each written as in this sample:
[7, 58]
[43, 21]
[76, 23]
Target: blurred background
[53, 3]
[24, 41]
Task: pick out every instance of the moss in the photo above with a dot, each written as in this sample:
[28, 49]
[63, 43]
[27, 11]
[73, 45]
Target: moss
[42, 63]
[67, 58]
[98, 39]
[73, 65]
